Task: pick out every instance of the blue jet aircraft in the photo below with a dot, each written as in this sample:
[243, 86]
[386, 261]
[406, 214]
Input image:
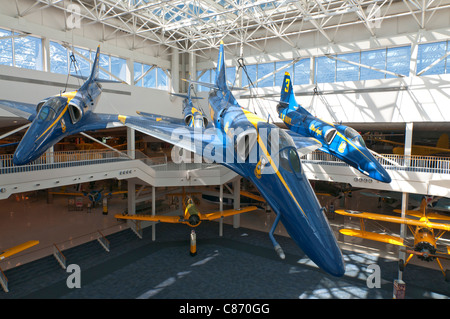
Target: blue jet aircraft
[59, 116]
[262, 153]
[340, 141]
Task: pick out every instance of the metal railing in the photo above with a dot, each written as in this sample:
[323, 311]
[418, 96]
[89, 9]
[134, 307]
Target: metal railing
[61, 160]
[411, 163]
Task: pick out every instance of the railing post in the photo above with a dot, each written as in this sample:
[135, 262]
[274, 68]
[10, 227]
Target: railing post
[59, 256]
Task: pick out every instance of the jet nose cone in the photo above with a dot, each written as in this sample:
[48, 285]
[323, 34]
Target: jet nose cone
[329, 257]
[23, 154]
[376, 171]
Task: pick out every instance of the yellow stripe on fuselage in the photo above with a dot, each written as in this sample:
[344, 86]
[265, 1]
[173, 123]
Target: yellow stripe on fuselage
[69, 96]
[254, 119]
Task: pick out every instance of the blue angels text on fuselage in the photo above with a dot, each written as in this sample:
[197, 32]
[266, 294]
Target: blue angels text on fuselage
[58, 116]
[340, 141]
[262, 153]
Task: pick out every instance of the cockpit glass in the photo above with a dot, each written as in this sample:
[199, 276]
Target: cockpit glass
[289, 160]
[354, 136]
[52, 107]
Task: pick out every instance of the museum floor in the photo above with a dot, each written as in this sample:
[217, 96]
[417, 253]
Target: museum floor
[240, 264]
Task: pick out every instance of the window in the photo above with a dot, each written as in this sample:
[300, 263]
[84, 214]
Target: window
[376, 59]
[205, 77]
[429, 53]
[6, 50]
[251, 73]
[58, 58]
[28, 53]
[325, 70]
[231, 76]
[266, 69]
[346, 71]
[150, 76]
[119, 67]
[162, 80]
[84, 66]
[302, 72]
[104, 62]
[279, 76]
[137, 73]
[149, 79]
[398, 60]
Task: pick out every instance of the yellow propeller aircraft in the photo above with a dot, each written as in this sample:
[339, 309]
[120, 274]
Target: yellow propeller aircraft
[17, 249]
[442, 146]
[191, 217]
[423, 229]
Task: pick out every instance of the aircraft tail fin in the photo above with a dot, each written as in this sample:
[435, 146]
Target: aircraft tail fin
[423, 207]
[443, 141]
[287, 98]
[95, 66]
[221, 80]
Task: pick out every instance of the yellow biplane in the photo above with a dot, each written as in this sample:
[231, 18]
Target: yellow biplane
[418, 222]
[442, 147]
[191, 217]
[17, 249]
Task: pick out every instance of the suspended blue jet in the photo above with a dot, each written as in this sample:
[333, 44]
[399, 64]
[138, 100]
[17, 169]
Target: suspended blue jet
[340, 141]
[262, 153]
[59, 116]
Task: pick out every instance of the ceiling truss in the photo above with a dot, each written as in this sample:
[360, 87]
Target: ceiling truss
[198, 26]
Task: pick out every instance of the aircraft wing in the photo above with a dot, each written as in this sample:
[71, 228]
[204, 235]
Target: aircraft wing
[100, 121]
[303, 144]
[225, 213]
[197, 140]
[394, 219]
[388, 239]
[162, 118]
[17, 249]
[24, 110]
[430, 215]
[151, 218]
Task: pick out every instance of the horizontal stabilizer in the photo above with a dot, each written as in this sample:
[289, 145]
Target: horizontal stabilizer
[82, 77]
[185, 96]
[205, 84]
[388, 239]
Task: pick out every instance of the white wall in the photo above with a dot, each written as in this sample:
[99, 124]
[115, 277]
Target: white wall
[127, 100]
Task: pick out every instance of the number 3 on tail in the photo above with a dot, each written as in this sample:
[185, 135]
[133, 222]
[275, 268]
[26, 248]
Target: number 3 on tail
[286, 89]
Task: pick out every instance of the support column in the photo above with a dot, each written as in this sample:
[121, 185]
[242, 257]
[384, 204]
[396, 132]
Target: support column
[192, 68]
[131, 142]
[154, 212]
[175, 70]
[408, 142]
[237, 201]
[46, 57]
[407, 153]
[131, 197]
[401, 254]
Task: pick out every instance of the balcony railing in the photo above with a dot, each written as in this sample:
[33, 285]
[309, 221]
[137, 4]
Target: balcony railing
[410, 163]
